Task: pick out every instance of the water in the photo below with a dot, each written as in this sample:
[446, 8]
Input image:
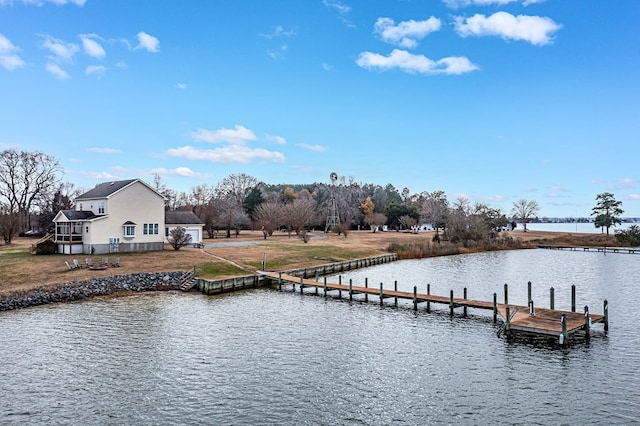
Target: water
[268, 357]
[586, 228]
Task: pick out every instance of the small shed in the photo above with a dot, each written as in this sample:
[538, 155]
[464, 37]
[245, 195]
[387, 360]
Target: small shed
[186, 219]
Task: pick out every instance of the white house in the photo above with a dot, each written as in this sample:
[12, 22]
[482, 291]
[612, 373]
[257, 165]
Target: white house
[119, 216]
[186, 219]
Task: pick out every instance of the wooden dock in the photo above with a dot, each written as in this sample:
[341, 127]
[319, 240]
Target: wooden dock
[516, 318]
[601, 249]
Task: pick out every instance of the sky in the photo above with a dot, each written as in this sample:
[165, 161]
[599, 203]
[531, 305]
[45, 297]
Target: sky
[492, 100]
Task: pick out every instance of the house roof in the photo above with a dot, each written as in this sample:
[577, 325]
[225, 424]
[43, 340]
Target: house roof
[105, 189]
[80, 214]
[182, 218]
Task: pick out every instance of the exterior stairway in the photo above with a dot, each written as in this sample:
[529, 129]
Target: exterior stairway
[188, 280]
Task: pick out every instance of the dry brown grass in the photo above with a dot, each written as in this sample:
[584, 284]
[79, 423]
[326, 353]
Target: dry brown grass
[19, 270]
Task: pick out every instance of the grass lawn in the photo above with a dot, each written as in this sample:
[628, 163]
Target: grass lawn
[20, 270]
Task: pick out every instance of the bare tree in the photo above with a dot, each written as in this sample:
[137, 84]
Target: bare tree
[375, 220]
[268, 217]
[27, 178]
[178, 237]
[525, 210]
[236, 187]
[299, 214]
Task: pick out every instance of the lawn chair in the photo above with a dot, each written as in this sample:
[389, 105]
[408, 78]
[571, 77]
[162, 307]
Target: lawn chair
[104, 261]
[116, 262]
[89, 262]
[76, 264]
[69, 267]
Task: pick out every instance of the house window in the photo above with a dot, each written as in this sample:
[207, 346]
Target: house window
[80, 206]
[101, 207]
[150, 229]
[129, 230]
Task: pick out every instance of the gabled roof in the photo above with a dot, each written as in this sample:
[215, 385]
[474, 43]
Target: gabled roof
[181, 218]
[106, 189]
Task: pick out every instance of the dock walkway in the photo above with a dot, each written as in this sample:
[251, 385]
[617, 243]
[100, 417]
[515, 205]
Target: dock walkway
[516, 318]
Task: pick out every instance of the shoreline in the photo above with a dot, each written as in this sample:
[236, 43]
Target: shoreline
[45, 279]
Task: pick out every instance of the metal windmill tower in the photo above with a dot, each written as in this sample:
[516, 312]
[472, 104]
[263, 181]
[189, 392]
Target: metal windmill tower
[333, 220]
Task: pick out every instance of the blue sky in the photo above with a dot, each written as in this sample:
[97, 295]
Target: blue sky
[494, 100]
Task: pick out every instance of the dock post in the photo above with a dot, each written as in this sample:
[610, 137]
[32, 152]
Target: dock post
[606, 315]
[563, 335]
[451, 303]
[366, 285]
[381, 294]
[464, 296]
[279, 280]
[428, 294]
[573, 298]
[532, 311]
[529, 290]
[551, 299]
[507, 319]
[506, 294]
[415, 298]
[495, 308]
[301, 285]
[325, 287]
[587, 322]
[350, 289]
[395, 288]
[340, 290]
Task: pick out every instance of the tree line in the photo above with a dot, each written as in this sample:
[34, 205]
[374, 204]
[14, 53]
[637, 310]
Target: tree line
[32, 192]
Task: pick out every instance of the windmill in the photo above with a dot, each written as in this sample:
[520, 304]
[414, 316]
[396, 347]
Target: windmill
[333, 220]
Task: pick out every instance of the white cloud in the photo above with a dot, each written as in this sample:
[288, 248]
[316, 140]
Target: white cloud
[9, 60]
[98, 70]
[406, 34]
[99, 175]
[408, 62]
[122, 65]
[279, 31]
[92, 47]
[464, 3]
[56, 71]
[104, 150]
[181, 171]
[314, 148]
[60, 49]
[342, 9]
[231, 154]
[238, 135]
[148, 42]
[182, 86]
[537, 30]
[277, 139]
[633, 197]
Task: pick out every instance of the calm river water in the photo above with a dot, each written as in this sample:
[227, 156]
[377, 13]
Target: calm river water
[267, 357]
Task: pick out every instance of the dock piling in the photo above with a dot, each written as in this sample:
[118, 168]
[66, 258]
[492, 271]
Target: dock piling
[451, 303]
[573, 298]
[366, 285]
[464, 296]
[415, 298]
[551, 299]
[325, 287]
[606, 315]
[563, 335]
[506, 294]
[532, 311]
[381, 294]
[587, 322]
[428, 293]
[395, 288]
[495, 308]
[529, 290]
